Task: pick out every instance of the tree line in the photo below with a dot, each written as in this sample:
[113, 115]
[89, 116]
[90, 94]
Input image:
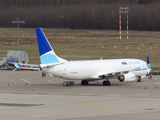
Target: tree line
[30, 3]
[81, 14]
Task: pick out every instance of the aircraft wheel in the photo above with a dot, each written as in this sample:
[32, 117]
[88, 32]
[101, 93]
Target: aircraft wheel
[84, 82]
[139, 80]
[104, 83]
[108, 83]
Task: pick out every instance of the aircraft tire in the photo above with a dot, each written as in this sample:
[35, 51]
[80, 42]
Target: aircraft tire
[108, 83]
[84, 82]
[104, 83]
[139, 80]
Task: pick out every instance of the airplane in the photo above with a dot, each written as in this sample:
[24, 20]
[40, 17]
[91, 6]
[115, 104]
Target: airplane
[25, 65]
[28, 65]
[125, 70]
[19, 67]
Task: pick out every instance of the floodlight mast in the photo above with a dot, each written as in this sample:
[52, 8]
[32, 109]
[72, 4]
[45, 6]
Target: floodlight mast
[18, 22]
[123, 10]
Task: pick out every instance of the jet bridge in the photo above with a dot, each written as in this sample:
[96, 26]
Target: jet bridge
[19, 56]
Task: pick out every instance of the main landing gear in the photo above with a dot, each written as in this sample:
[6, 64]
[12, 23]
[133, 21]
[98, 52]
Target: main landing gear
[106, 82]
[84, 82]
[139, 79]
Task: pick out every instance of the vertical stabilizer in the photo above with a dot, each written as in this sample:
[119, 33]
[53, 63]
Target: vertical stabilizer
[148, 65]
[47, 54]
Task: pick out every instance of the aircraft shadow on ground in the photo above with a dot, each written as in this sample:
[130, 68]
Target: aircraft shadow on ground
[78, 85]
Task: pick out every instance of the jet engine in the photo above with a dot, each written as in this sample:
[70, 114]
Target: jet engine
[129, 77]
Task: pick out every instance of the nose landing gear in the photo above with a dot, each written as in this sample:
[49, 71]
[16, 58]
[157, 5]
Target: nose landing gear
[139, 79]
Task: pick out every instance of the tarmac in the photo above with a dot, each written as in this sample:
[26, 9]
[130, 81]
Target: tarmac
[25, 95]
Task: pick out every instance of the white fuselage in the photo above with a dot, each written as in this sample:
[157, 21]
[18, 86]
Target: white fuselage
[87, 69]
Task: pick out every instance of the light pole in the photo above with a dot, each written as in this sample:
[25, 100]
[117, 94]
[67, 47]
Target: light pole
[18, 22]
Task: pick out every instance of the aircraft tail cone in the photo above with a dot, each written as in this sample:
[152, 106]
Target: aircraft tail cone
[134, 82]
[33, 89]
[145, 86]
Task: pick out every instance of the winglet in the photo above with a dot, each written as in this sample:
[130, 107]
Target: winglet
[14, 62]
[13, 59]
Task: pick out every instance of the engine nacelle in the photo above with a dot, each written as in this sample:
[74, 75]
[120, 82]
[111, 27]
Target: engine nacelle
[129, 77]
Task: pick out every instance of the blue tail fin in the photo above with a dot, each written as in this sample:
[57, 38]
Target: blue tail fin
[148, 63]
[47, 54]
[14, 62]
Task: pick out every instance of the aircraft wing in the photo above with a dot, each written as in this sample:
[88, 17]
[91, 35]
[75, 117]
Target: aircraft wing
[29, 65]
[19, 67]
[104, 74]
[26, 65]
